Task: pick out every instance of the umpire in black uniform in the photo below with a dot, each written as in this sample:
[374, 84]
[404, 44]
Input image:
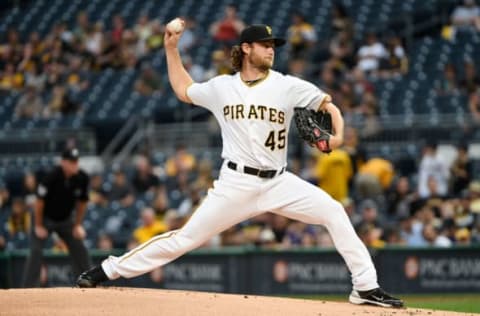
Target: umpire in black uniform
[60, 192]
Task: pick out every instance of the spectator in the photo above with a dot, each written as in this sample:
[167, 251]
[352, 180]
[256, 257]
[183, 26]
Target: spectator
[35, 77]
[142, 30]
[104, 242]
[121, 190]
[279, 227]
[474, 106]
[191, 202]
[60, 103]
[76, 77]
[368, 109]
[3, 242]
[475, 230]
[29, 189]
[393, 236]
[356, 153]
[13, 48]
[150, 226]
[29, 105]
[395, 62]
[98, 197]
[341, 49]
[118, 27]
[341, 22]
[129, 53]
[94, 41]
[432, 166]
[334, 172]
[196, 71]
[329, 82]
[301, 36]
[173, 220]
[189, 38]
[148, 83]
[61, 32]
[411, 231]
[433, 238]
[220, 65]
[59, 246]
[361, 84]
[370, 216]
[10, 78]
[4, 198]
[371, 236]
[308, 171]
[474, 195]
[227, 30]
[399, 200]
[448, 84]
[299, 234]
[466, 16]
[298, 67]
[181, 161]
[53, 74]
[374, 178]
[19, 220]
[82, 27]
[370, 54]
[160, 203]
[155, 40]
[463, 237]
[460, 171]
[144, 180]
[204, 180]
[471, 80]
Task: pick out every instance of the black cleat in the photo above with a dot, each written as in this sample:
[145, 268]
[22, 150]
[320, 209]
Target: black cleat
[92, 277]
[375, 297]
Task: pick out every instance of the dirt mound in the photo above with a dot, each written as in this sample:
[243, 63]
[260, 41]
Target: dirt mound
[130, 301]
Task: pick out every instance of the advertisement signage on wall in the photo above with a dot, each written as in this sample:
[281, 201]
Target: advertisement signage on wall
[254, 271]
[431, 270]
[299, 273]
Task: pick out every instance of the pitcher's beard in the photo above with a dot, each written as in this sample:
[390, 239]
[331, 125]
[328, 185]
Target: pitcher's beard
[262, 65]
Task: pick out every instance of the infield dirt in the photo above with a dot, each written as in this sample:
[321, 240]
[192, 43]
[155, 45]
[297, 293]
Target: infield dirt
[129, 301]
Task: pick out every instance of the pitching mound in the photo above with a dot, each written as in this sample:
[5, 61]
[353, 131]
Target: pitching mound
[143, 302]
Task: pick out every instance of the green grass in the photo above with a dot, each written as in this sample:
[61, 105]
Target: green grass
[466, 303]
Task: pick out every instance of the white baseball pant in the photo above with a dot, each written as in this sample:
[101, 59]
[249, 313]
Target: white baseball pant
[236, 197]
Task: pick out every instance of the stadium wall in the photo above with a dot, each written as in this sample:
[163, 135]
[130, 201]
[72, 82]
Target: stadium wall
[292, 272]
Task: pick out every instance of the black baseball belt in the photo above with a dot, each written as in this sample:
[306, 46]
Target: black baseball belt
[267, 174]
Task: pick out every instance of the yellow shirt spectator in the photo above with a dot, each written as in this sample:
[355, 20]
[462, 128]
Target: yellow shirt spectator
[150, 226]
[334, 172]
[382, 169]
[181, 161]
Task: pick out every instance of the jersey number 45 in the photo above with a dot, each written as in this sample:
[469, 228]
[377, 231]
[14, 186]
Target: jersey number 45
[273, 141]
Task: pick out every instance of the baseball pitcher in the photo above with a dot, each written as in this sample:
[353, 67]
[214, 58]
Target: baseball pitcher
[254, 108]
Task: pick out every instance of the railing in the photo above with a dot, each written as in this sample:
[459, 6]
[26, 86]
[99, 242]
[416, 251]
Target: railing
[45, 141]
[398, 134]
[115, 145]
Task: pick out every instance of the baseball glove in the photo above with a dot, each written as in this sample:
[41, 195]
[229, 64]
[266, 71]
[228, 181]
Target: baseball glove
[314, 127]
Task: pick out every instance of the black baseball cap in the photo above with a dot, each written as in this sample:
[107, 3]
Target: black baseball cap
[259, 33]
[71, 154]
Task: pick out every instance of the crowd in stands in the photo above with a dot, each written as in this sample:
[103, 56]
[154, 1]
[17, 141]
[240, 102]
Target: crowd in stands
[434, 204]
[425, 202]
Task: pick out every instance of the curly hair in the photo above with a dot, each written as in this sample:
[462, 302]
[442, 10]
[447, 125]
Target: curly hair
[236, 57]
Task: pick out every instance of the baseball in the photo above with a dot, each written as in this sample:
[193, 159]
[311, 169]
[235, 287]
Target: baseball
[175, 25]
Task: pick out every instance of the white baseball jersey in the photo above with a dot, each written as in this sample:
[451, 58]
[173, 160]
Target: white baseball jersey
[255, 119]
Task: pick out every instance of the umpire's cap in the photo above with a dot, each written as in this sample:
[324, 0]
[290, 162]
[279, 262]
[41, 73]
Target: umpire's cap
[259, 33]
[71, 154]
